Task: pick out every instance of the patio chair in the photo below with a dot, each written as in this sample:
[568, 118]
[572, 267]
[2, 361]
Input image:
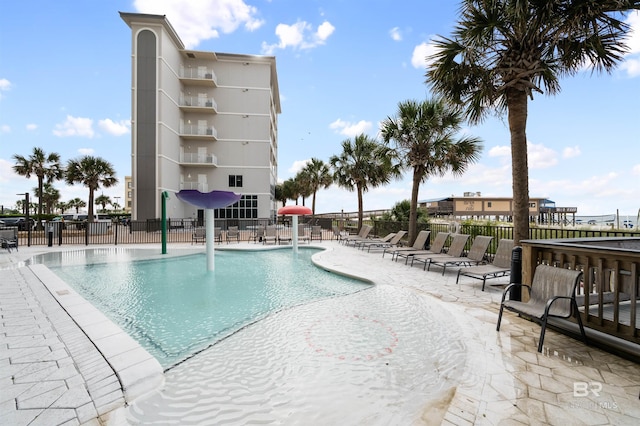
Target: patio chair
[393, 242]
[552, 294]
[362, 235]
[270, 235]
[256, 234]
[436, 247]
[476, 255]
[302, 234]
[233, 234]
[337, 234]
[385, 239]
[217, 234]
[455, 250]
[9, 239]
[499, 267]
[418, 244]
[316, 232]
[199, 235]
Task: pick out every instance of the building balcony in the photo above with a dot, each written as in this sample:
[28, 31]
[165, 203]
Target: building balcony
[198, 76]
[202, 187]
[199, 132]
[193, 158]
[198, 104]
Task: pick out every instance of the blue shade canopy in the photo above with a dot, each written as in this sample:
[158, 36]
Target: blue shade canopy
[208, 200]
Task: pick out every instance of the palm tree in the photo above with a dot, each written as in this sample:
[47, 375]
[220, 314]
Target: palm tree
[49, 196]
[103, 200]
[318, 176]
[502, 51]
[77, 204]
[41, 165]
[425, 139]
[92, 172]
[290, 190]
[303, 185]
[364, 164]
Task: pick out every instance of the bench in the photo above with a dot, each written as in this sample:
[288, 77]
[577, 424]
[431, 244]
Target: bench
[551, 294]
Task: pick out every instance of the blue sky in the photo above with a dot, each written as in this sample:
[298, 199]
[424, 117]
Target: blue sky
[343, 66]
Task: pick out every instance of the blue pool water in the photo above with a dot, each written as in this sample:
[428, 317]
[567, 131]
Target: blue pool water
[174, 307]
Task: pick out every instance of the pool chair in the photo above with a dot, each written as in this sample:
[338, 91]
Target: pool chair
[316, 233]
[256, 234]
[199, 235]
[418, 244]
[436, 248]
[366, 242]
[393, 242]
[9, 239]
[362, 235]
[270, 235]
[476, 255]
[499, 267]
[233, 234]
[302, 234]
[458, 242]
[217, 234]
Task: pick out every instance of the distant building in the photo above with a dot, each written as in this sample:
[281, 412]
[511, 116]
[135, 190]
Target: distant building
[472, 205]
[200, 120]
[128, 194]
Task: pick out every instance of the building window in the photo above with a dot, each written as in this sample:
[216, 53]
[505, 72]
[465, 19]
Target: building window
[488, 203]
[128, 184]
[129, 194]
[532, 205]
[245, 208]
[235, 181]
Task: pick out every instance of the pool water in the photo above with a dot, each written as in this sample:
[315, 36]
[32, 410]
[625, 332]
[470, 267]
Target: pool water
[175, 308]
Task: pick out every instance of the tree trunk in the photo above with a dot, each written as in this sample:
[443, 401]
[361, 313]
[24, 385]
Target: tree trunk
[413, 210]
[360, 207]
[90, 208]
[40, 190]
[517, 113]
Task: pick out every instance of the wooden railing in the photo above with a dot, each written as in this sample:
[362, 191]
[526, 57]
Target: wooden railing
[609, 293]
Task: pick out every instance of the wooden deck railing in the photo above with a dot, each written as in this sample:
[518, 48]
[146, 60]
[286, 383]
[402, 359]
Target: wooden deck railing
[611, 283]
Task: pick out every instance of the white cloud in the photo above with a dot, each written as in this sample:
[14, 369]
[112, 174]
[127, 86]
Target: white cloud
[86, 151]
[5, 128]
[420, 54]
[203, 19]
[539, 156]
[31, 127]
[5, 85]
[116, 129]
[297, 166]
[571, 152]
[299, 36]
[350, 129]
[395, 34]
[635, 170]
[75, 126]
[631, 63]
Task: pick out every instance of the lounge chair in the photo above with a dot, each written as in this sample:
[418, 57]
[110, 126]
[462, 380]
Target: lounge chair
[270, 235]
[476, 255]
[499, 267]
[217, 234]
[316, 232]
[455, 250]
[256, 234]
[384, 239]
[337, 234]
[393, 242]
[362, 235]
[233, 234]
[302, 233]
[418, 244]
[436, 247]
[199, 235]
[9, 239]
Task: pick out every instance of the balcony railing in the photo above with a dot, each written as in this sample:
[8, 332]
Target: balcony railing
[198, 130]
[202, 187]
[198, 73]
[195, 101]
[197, 158]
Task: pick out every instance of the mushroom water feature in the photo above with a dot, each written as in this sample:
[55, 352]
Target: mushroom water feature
[294, 212]
[208, 201]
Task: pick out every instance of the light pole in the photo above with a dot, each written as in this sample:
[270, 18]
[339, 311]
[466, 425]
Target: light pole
[117, 202]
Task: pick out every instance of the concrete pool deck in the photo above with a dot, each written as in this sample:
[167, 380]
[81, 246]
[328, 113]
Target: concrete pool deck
[52, 371]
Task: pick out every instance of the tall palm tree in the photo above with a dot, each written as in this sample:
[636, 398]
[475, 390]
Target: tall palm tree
[502, 51]
[362, 165]
[92, 172]
[318, 176]
[425, 140]
[290, 191]
[303, 184]
[41, 165]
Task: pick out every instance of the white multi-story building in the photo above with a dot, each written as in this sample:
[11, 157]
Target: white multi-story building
[200, 120]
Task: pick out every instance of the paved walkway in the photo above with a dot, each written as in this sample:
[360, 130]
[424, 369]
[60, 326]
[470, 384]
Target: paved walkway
[52, 371]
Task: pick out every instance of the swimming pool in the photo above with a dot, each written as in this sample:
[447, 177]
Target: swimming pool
[174, 307]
